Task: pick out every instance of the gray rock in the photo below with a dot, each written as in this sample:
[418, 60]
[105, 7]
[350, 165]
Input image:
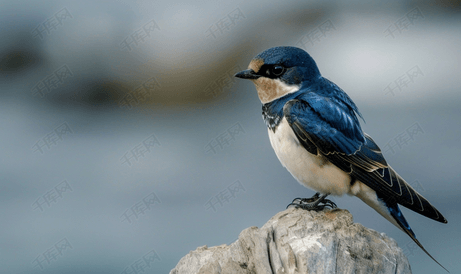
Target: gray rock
[300, 241]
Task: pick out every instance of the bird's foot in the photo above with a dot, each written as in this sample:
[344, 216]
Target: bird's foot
[316, 202]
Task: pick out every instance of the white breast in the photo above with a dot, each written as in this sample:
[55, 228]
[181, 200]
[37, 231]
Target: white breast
[312, 171]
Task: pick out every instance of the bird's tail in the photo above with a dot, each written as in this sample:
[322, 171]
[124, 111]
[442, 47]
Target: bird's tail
[395, 212]
[390, 210]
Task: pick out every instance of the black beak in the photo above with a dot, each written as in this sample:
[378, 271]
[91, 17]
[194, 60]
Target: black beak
[247, 74]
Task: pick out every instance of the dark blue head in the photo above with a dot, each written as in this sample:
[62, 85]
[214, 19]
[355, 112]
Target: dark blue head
[279, 71]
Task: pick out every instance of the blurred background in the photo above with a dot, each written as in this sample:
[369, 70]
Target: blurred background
[126, 142]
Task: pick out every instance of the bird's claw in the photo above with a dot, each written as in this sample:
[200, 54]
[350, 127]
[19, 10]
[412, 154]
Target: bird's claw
[312, 203]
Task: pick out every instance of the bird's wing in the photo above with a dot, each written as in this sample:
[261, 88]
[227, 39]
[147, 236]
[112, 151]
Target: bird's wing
[325, 127]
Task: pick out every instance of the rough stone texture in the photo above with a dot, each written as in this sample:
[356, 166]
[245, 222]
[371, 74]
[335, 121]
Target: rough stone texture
[300, 241]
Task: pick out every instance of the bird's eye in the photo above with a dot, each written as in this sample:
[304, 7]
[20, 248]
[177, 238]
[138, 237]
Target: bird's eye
[277, 70]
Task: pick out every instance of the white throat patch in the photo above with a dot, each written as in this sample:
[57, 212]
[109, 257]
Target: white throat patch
[271, 89]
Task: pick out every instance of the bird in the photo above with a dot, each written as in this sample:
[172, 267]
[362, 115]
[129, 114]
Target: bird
[314, 129]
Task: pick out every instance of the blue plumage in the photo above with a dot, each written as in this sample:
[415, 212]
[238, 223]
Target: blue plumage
[302, 68]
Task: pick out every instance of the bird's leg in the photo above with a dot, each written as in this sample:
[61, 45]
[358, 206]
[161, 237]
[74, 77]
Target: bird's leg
[316, 202]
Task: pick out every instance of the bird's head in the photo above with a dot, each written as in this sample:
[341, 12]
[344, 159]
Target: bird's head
[279, 71]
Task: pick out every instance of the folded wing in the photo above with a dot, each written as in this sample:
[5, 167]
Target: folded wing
[328, 127]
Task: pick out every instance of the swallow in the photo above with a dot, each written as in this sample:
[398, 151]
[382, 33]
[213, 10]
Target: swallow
[315, 133]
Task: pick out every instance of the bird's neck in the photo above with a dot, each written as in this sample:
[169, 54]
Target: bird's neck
[273, 111]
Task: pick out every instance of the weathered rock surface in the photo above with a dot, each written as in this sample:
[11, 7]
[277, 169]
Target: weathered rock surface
[299, 241]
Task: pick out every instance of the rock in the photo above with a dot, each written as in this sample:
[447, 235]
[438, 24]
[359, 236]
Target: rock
[300, 241]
